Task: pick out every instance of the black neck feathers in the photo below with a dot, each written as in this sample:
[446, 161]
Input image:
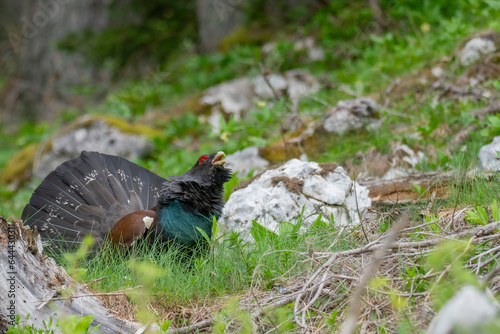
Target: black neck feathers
[205, 198]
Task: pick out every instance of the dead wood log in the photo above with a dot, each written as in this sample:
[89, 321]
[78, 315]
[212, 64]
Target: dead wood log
[28, 279]
[402, 189]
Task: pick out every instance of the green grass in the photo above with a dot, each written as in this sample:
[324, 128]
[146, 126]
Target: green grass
[197, 278]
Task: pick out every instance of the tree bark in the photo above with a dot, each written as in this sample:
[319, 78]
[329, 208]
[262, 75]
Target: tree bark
[216, 20]
[43, 75]
[29, 278]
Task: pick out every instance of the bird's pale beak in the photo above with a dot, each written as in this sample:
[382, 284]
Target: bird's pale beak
[218, 159]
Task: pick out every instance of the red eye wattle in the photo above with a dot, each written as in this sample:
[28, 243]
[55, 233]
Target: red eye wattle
[202, 159]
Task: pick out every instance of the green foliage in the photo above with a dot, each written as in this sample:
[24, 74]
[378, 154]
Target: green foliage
[449, 257]
[74, 260]
[229, 186]
[146, 273]
[419, 189]
[216, 236]
[480, 215]
[232, 312]
[331, 320]
[230, 267]
[432, 218]
[492, 126]
[412, 276]
[66, 325]
[77, 325]
[427, 129]
[21, 327]
[258, 129]
[416, 37]
[495, 211]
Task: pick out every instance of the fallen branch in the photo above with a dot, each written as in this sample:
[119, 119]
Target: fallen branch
[403, 190]
[478, 231]
[114, 293]
[355, 304]
[191, 328]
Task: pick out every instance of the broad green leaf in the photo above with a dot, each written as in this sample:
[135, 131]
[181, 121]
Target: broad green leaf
[494, 211]
[204, 234]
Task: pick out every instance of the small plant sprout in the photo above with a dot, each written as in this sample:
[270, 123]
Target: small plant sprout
[146, 273]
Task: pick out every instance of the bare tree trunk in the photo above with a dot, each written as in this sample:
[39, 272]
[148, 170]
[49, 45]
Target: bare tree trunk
[44, 75]
[217, 19]
[29, 279]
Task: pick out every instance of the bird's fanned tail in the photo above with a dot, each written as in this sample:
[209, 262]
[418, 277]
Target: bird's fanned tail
[87, 195]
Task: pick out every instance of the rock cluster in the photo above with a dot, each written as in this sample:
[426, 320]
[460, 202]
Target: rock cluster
[237, 96]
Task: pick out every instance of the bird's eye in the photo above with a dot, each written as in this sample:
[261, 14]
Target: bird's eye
[202, 159]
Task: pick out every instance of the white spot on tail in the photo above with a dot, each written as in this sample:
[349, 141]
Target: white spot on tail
[147, 221]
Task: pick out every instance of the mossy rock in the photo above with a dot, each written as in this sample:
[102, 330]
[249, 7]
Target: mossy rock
[19, 168]
[123, 126]
[294, 143]
[188, 105]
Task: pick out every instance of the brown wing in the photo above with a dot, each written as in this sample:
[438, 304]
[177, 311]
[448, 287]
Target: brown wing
[132, 227]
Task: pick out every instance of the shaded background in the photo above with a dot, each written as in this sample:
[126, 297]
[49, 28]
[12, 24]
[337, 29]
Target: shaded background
[51, 50]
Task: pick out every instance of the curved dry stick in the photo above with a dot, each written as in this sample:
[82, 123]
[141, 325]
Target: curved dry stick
[352, 319]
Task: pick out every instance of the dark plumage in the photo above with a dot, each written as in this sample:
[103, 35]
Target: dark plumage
[110, 197]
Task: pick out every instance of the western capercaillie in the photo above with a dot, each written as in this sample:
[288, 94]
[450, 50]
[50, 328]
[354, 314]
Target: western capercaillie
[109, 197]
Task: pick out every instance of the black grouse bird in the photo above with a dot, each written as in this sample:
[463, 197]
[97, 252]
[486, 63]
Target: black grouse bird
[110, 197]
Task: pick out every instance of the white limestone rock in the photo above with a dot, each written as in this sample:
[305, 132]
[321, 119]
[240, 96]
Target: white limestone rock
[300, 83]
[488, 156]
[467, 310]
[98, 136]
[262, 90]
[350, 115]
[231, 97]
[475, 49]
[246, 161]
[279, 195]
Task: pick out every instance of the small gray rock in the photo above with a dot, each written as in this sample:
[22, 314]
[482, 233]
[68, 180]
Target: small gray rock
[231, 97]
[262, 90]
[403, 162]
[467, 310]
[300, 83]
[488, 157]
[475, 49]
[350, 115]
[308, 44]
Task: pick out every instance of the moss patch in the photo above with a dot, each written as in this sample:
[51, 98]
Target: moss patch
[19, 169]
